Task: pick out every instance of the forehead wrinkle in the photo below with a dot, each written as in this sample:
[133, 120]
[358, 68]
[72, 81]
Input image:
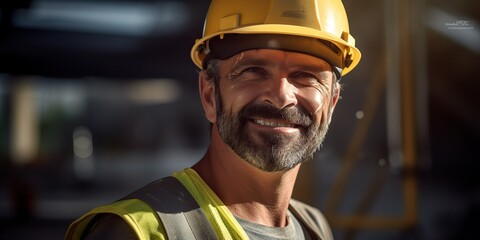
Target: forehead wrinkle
[316, 65]
[238, 59]
[253, 61]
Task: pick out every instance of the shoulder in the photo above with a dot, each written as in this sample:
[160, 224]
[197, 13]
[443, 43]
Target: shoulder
[110, 226]
[312, 217]
[130, 216]
[139, 212]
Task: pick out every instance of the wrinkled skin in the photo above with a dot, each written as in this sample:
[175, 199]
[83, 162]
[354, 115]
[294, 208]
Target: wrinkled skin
[274, 107]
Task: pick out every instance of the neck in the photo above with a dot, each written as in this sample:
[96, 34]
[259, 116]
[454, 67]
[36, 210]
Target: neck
[249, 193]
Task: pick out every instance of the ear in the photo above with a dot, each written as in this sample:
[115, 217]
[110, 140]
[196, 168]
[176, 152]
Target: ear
[207, 96]
[335, 95]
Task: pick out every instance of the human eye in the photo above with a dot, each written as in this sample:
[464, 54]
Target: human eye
[250, 72]
[255, 70]
[305, 78]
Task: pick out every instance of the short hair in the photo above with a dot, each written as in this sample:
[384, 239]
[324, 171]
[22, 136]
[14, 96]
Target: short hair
[212, 71]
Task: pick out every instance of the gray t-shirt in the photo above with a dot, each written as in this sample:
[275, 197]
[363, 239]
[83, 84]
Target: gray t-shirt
[293, 231]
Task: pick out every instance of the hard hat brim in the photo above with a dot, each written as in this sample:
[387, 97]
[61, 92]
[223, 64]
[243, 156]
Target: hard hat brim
[347, 47]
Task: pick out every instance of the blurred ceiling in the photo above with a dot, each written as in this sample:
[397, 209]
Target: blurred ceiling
[102, 38]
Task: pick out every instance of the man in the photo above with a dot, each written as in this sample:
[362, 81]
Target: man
[268, 86]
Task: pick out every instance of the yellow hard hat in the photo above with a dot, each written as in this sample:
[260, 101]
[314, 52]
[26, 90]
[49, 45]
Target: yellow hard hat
[315, 27]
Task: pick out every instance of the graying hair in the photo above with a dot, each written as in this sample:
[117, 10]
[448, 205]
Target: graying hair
[213, 71]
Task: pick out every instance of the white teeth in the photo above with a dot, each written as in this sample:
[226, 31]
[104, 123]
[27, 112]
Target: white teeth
[273, 124]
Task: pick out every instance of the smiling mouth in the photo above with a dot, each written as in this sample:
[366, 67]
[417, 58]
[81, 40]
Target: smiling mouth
[274, 124]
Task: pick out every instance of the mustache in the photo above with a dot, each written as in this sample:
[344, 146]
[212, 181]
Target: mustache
[297, 116]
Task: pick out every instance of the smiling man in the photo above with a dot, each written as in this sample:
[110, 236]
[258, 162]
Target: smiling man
[268, 85]
[271, 109]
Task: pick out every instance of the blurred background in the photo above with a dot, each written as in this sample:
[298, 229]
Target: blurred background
[98, 98]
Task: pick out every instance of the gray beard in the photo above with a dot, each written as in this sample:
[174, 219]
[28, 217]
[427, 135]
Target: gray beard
[265, 151]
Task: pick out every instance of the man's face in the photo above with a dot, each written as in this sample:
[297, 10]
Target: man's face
[274, 107]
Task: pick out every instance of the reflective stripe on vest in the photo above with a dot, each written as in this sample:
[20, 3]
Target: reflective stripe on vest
[181, 216]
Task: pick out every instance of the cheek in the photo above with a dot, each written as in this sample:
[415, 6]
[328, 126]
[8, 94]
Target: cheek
[313, 100]
[236, 97]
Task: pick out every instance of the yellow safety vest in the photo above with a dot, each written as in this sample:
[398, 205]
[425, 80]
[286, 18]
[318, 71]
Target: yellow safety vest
[147, 221]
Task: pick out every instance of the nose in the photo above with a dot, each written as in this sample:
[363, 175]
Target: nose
[280, 93]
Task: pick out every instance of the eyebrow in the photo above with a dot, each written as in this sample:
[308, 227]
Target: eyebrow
[252, 61]
[319, 69]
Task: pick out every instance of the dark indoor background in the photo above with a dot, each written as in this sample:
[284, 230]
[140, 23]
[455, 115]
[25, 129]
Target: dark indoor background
[98, 98]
